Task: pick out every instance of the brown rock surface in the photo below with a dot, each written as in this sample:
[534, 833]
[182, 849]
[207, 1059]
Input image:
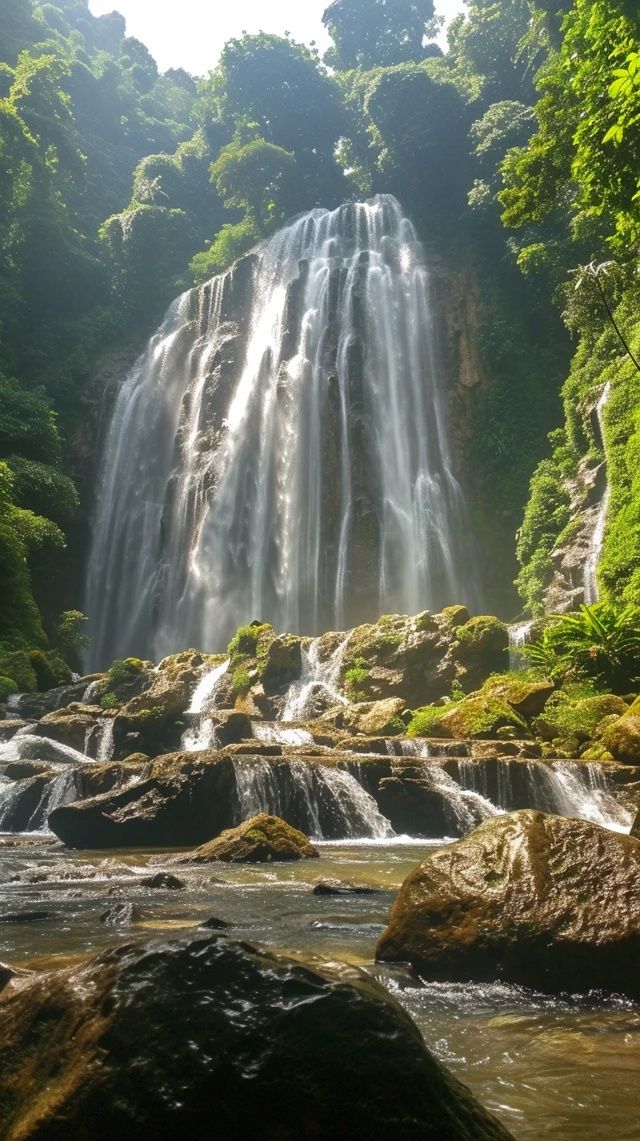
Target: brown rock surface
[541, 900]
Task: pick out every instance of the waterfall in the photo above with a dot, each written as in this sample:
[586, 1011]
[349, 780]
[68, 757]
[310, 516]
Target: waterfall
[568, 788]
[319, 679]
[201, 733]
[25, 805]
[519, 636]
[280, 450]
[100, 740]
[591, 591]
[324, 801]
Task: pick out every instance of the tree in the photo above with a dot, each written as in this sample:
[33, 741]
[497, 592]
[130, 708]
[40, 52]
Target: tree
[274, 88]
[254, 178]
[378, 33]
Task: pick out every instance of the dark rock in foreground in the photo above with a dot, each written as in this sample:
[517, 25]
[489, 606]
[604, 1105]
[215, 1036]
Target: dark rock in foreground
[541, 900]
[261, 840]
[213, 1038]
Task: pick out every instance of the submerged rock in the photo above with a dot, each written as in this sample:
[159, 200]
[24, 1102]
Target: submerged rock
[341, 887]
[540, 900]
[263, 839]
[205, 1037]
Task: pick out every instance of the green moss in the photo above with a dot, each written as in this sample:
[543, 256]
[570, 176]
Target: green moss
[240, 680]
[7, 686]
[354, 678]
[109, 700]
[123, 670]
[423, 720]
[18, 666]
[247, 641]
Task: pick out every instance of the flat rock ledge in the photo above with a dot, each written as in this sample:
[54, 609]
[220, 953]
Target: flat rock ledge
[205, 1037]
[263, 839]
[529, 898]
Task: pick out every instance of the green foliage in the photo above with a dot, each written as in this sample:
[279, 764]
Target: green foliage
[240, 680]
[123, 670]
[7, 686]
[109, 700]
[375, 33]
[584, 156]
[423, 720]
[19, 667]
[70, 635]
[254, 177]
[600, 642]
[232, 242]
[43, 490]
[354, 678]
[244, 643]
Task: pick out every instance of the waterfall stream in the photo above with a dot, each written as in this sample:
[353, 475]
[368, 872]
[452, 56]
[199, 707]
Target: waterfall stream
[591, 590]
[280, 451]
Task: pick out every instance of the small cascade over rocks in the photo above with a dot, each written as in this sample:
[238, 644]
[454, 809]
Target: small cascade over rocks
[25, 805]
[591, 591]
[281, 449]
[565, 788]
[318, 686]
[324, 801]
[100, 740]
[519, 636]
[201, 732]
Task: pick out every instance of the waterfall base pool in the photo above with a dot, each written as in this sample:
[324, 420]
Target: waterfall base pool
[561, 1068]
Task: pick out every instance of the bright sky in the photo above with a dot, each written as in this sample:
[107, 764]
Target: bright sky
[191, 33]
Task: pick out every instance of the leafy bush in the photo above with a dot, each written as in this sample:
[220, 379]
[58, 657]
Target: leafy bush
[109, 700]
[601, 642]
[7, 686]
[70, 636]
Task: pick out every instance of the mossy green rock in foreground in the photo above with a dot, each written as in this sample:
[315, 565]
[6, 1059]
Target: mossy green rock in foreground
[262, 839]
[540, 900]
[206, 1038]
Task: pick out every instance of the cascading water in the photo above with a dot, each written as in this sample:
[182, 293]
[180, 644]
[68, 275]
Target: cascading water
[568, 788]
[201, 733]
[519, 636]
[280, 450]
[591, 591]
[319, 680]
[325, 801]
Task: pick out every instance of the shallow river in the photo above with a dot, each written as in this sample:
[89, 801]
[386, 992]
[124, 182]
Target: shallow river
[562, 1068]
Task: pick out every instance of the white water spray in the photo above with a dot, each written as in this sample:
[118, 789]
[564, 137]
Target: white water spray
[280, 451]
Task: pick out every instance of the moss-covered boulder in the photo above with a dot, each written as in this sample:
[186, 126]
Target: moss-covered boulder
[572, 720]
[202, 1037]
[622, 738]
[482, 648]
[526, 696]
[480, 715]
[168, 691]
[264, 839]
[371, 718]
[540, 900]
[18, 667]
[280, 662]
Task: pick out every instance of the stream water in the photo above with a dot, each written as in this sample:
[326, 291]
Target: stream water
[562, 1068]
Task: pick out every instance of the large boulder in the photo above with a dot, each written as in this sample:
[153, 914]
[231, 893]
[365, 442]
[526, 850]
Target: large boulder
[205, 1037]
[184, 801]
[622, 738]
[263, 839]
[70, 725]
[539, 900]
[371, 718]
